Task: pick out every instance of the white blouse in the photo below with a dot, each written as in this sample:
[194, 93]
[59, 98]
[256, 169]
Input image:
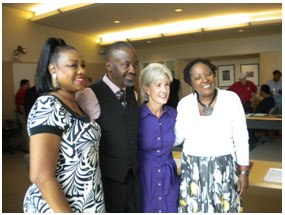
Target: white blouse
[222, 133]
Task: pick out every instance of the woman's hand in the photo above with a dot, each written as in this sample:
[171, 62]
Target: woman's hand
[242, 184]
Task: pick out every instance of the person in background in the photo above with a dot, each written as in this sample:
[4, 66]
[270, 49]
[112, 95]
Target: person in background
[158, 175]
[112, 102]
[246, 91]
[265, 105]
[211, 123]
[20, 111]
[64, 143]
[30, 98]
[173, 95]
[20, 96]
[276, 89]
[276, 83]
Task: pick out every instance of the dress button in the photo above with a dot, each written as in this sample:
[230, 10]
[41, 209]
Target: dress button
[159, 211]
[158, 151]
[159, 198]
[158, 170]
[159, 184]
[158, 138]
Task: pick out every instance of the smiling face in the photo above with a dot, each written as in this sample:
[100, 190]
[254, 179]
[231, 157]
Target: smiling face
[158, 91]
[70, 72]
[203, 80]
[122, 67]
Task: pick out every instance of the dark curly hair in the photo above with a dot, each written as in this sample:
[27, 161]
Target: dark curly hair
[188, 69]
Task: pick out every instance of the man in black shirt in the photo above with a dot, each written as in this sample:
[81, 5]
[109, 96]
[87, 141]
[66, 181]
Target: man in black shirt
[264, 106]
[268, 101]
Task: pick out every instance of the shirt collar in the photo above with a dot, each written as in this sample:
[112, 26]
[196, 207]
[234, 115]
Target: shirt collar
[110, 84]
[144, 112]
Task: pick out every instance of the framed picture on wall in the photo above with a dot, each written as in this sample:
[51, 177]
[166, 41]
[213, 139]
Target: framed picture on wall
[251, 71]
[226, 75]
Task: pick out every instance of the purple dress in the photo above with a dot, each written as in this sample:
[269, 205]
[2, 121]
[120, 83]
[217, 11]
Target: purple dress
[158, 175]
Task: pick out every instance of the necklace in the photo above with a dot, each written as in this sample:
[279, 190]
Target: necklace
[207, 109]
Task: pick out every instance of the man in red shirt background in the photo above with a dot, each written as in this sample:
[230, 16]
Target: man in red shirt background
[246, 91]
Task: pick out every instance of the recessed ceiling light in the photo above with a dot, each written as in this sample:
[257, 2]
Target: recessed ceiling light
[240, 30]
[148, 41]
[178, 10]
[117, 21]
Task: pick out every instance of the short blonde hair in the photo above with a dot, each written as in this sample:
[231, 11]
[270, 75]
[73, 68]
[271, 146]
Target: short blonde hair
[152, 73]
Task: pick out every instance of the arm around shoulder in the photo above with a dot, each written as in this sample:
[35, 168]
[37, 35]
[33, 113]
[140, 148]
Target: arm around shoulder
[180, 127]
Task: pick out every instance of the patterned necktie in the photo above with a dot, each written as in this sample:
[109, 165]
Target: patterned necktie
[121, 95]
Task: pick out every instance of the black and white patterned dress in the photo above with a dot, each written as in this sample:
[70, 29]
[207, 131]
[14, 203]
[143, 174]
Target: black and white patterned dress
[77, 170]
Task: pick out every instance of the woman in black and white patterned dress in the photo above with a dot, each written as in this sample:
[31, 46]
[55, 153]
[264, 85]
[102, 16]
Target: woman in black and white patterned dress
[64, 162]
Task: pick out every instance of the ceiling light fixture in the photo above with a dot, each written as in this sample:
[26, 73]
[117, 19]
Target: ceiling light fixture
[178, 10]
[192, 26]
[144, 37]
[116, 21]
[44, 10]
[270, 17]
[224, 22]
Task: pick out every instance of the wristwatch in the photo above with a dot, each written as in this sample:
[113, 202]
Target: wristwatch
[244, 172]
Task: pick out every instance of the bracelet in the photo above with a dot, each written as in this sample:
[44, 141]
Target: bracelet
[244, 172]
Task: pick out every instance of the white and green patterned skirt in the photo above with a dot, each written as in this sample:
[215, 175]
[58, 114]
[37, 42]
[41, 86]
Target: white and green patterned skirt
[209, 185]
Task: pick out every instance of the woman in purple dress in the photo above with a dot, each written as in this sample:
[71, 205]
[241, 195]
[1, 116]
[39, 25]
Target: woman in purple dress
[158, 173]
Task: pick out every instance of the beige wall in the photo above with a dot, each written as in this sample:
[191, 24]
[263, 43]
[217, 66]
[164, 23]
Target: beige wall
[269, 61]
[264, 49]
[18, 30]
[8, 102]
[212, 47]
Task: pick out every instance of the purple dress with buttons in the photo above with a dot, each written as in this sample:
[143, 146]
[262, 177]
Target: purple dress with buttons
[158, 175]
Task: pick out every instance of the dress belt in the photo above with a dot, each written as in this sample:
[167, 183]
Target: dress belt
[170, 170]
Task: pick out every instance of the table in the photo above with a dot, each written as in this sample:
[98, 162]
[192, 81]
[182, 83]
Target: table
[266, 122]
[257, 173]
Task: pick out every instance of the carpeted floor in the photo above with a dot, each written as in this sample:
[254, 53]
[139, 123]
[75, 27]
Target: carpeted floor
[15, 182]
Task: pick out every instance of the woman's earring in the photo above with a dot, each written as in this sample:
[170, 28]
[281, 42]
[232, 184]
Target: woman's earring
[54, 81]
[193, 91]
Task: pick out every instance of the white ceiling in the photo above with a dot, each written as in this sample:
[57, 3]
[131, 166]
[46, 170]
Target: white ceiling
[98, 18]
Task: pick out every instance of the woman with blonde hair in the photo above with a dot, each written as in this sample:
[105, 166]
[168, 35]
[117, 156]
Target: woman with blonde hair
[158, 176]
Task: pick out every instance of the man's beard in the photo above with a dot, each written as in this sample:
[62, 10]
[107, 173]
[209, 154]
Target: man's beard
[129, 83]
